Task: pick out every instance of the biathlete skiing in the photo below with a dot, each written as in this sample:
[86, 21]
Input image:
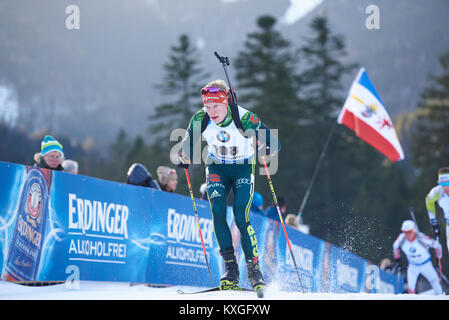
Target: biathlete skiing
[232, 134]
[440, 195]
[416, 247]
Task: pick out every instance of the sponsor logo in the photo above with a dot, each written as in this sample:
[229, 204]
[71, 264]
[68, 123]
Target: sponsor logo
[184, 228]
[243, 181]
[98, 216]
[223, 136]
[184, 240]
[34, 204]
[214, 194]
[214, 178]
[98, 230]
[25, 250]
[27, 227]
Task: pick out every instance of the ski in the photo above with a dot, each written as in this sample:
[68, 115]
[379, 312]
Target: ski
[259, 292]
[216, 289]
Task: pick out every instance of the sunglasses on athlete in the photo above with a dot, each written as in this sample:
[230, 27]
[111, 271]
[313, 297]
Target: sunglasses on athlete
[211, 90]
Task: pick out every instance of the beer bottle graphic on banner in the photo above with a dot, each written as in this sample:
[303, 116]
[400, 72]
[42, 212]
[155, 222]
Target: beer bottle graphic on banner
[24, 252]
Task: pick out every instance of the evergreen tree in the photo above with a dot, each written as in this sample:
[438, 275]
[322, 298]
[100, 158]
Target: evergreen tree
[183, 80]
[321, 87]
[123, 152]
[12, 137]
[266, 74]
[267, 85]
[430, 143]
[115, 167]
[323, 71]
[430, 140]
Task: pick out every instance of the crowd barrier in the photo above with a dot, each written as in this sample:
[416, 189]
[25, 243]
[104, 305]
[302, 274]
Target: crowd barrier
[55, 225]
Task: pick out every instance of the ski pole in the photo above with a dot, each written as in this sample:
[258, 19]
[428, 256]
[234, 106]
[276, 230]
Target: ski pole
[439, 262]
[270, 183]
[198, 222]
[225, 62]
[412, 213]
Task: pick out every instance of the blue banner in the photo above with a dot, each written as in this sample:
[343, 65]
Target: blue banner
[55, 225]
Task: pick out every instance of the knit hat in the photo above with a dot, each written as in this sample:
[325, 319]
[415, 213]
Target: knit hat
[50, 144]
[138, 175]
[165, 174]
[257, 200]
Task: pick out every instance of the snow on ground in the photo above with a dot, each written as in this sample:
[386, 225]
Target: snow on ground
[90, 290]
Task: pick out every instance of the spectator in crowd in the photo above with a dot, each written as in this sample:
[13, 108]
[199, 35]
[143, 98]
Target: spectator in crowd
[271, 212]
[386, 265]
[292, 220]
[51, 155]
[168, 179]
[70, 166]
[257, 203]
[415, 246]
[139, 175]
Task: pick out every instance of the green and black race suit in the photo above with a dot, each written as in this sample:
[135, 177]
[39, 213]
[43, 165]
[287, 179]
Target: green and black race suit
[230, 165]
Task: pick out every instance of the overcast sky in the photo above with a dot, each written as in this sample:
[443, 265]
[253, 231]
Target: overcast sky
[298, 9]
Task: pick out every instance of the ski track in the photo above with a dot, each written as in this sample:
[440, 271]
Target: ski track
[93, 290]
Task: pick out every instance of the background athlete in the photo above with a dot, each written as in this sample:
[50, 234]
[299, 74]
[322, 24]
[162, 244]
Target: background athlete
[416, 246]
[440, 195]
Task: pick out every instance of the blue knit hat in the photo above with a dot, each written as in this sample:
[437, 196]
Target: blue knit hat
[257, 200]
[50, 144]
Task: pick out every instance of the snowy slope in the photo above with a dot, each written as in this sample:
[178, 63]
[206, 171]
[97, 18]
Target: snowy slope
[89, 290]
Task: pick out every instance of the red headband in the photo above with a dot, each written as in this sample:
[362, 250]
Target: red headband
[214, 96]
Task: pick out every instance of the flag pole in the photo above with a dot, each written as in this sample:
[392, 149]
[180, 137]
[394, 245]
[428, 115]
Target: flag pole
[323, 153]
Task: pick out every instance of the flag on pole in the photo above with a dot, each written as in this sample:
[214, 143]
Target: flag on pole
[365, 114]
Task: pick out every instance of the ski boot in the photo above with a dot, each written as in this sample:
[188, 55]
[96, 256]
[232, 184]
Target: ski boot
[255, 276]
[230, 279]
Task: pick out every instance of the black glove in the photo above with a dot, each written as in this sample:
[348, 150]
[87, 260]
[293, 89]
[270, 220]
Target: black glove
[436, 230]
[266, 151]
[183, 163]
[270, 153]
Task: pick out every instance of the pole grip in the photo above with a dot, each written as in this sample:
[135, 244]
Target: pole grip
[223, 60]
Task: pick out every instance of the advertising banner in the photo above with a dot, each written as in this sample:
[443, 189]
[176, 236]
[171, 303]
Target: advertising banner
[55, 225]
